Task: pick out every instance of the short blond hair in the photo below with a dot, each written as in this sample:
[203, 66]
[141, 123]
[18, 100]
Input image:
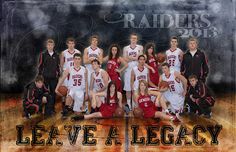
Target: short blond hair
[50, 41]
[193, 39]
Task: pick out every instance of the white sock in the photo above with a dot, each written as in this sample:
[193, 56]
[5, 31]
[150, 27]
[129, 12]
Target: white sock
[129, 103]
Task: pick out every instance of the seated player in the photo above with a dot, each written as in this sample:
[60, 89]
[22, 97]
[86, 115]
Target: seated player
[35, 95]
[112, 101]
[176, 92]
[77, 86]
[143, 99]
[199, 98]
[99, 82]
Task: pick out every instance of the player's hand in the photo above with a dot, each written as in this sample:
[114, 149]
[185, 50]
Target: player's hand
[153, 71]
[91, 59]
[57, 92]
[191, 97]
[117, 70]
[184, 93]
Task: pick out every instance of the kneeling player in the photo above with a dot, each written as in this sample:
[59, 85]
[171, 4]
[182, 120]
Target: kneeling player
[143, 98]
[35, 95]
[112, 101]
[77, 86]
[199, 98]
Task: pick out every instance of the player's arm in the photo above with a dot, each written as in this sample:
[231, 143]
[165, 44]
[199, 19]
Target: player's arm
[61, 80]
[161, 89]
[183, 80]
[132, 80]
[85, 56]
[151, 83]
[136, 98]
[100, 57]
[124, 63]
[105, 59]
[62, 60]
[91, 82]
[181, 54]
[86, 84]
[149, 67]
[125, 55]
[105, 78]
[120, 99]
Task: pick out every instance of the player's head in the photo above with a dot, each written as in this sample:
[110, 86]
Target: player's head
[165, 67]
[192, 43]
[114, 50]
[141, 59]
[39, 81]
[111, 89]
[77, 59]
[150, 48]
[143, 86]
[174, 42]
[70, 42]
[133, 38]
[94, 39]
[50, 44]
[193, 80]
[95, 64]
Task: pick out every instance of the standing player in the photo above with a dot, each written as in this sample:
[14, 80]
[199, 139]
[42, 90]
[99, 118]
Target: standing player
[113, 100]
[143, 98]
[77, 85]
[113, 65]
[99, 82]
[176, 92]
[130, 54]
[152, 62]
[174, 55]
[90, 53]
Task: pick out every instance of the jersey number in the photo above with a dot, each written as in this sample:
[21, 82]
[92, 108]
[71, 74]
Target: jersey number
[72, 64]
[172, 62]
[77, 82]
[172, 88]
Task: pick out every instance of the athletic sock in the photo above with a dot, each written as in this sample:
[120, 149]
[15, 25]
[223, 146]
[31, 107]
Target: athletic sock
[129, 103]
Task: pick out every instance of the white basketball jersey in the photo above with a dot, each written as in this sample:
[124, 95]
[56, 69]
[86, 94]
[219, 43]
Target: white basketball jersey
[77, 78]
[173, 59]
[98, 80]
[68, 58]
[175, 85]
[133, 52]
[139, 75]
[92, 53]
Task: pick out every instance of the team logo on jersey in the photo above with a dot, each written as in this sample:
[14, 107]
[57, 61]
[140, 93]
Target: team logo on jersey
[142, 77]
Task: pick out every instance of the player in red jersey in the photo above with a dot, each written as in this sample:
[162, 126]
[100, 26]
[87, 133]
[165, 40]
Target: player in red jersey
[113, 65]
[143, 98]
[152, 62]
[113, 100]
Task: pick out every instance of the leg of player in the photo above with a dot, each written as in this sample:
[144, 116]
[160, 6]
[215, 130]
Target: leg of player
[166, 117]
[89, 116]
[68, 104]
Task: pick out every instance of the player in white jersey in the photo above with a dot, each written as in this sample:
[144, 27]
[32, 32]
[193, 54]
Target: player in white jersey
[66, 57]
[130, 54]
[140, 72]
[176, 92]
[99, 83]
[77, 85]
[90, 53]
[174, 55]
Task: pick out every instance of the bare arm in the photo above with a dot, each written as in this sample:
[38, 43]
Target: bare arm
[91, 82]
[150, 82]
[162, 89]
[62, 79]
[85, 56]
[105, 59]
[182, 79]
[62, 60]
[105, 78]
[124, 63]
[86, 83]
[132, 80]
[120, 99]
[100, 57]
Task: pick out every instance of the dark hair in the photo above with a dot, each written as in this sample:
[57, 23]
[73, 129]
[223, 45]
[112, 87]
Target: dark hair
[76, 55]
[108, 92]
[134, 34]
[95, 60]
[174, 37]
[50, 41]
[70, 39]
[110, 51]
[94, 36]
[141, 56]
[148, 46]
[39, 78]
[165, 64]
[193, 76]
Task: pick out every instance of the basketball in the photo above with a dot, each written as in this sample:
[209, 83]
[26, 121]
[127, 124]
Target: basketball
[138, 112]
[63, 90]
[161, 57]
[119, 112]
[163, 84]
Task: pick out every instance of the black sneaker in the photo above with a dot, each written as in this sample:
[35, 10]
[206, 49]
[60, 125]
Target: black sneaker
[208, 116]
[76, 118]
[127, 109]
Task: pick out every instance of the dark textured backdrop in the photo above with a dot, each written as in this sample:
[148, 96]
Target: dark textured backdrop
[25, 24]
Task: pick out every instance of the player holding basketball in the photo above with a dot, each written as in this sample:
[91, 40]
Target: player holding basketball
[176, 92]
[77, 86]
[99, 83]
[174, 55]
[113, 99]
[114, 63]
[143, 98]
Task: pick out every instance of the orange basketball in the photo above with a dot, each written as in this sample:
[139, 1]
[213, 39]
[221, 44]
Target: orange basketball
[119, 112]
[163, 84]
[138, 112]
[161, 57]
[63, 90]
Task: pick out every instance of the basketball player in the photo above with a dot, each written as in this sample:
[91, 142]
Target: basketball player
[99, 83]
[77, 86]
[114, 63]
[112, 101]
[176, 92]
[90, 53]
[144, 102]
[174, 55]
